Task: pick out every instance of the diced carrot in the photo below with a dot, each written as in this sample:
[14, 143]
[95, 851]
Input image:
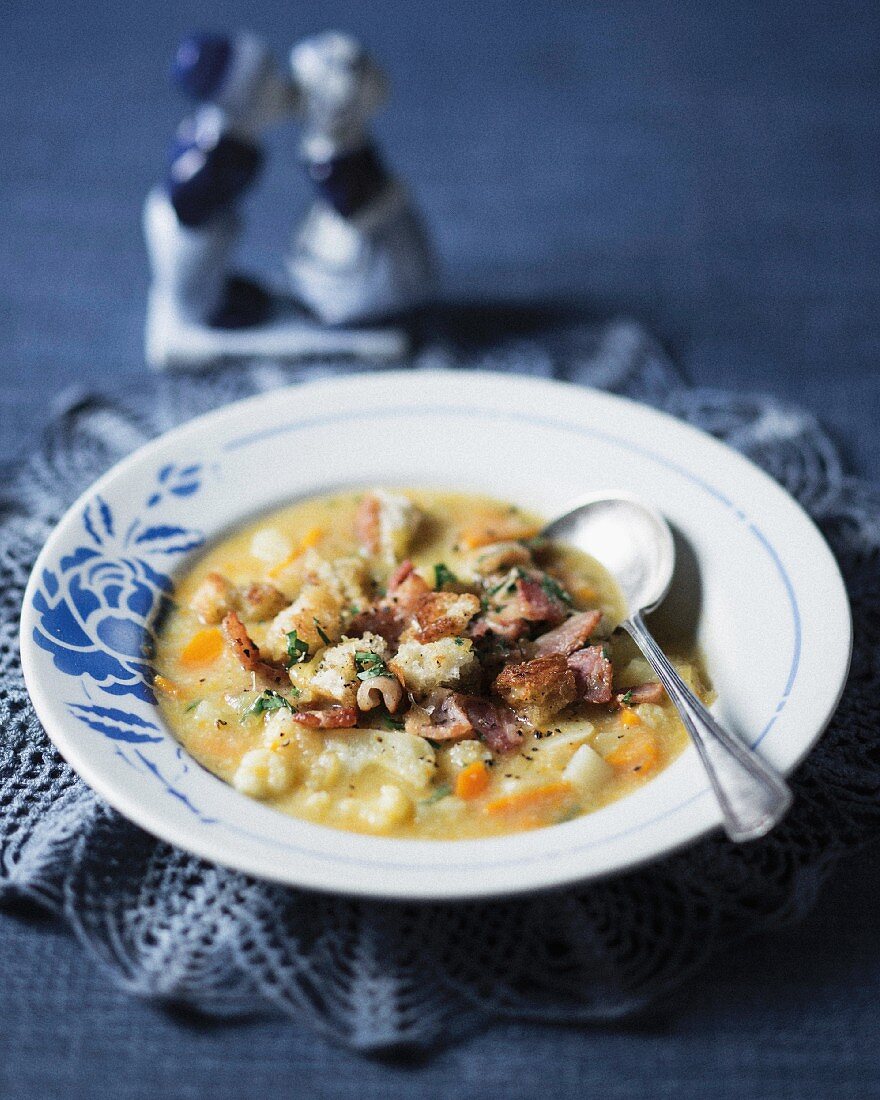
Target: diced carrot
[639, 752]
[203, 648]
[584, 592]
[167, 687]
[472, 780]
[630, 718]
[546, 798]
[310, 539]
[501, 531]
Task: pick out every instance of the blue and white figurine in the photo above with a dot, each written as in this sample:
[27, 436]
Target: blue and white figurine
[361, 253]
[199, 311]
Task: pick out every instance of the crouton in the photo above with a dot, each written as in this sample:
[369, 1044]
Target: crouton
[448, 662]
[441, 615]
[537, 690]
[337, 674]
[315, 615]
[261, 601]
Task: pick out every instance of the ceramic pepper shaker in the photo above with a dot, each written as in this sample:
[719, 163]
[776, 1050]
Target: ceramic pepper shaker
[191, 221]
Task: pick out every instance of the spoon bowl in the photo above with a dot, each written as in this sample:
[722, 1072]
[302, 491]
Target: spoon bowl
[628, 538]
[634, 543]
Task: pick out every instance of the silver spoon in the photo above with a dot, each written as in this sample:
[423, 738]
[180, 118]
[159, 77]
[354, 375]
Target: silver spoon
[634, 543]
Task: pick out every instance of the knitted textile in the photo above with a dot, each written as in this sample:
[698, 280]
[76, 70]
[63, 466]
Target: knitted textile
[379, 975]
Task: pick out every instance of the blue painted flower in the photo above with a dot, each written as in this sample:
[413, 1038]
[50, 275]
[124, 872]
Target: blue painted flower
[96, 611]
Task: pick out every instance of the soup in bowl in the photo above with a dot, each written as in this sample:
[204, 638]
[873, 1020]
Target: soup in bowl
[413, 663]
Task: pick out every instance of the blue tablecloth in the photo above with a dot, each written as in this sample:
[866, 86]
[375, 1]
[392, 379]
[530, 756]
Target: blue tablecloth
[710, 171]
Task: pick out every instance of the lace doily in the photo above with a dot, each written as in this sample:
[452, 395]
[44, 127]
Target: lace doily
[169, 926]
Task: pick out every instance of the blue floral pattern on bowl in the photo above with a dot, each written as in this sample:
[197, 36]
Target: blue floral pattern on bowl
[96, 612]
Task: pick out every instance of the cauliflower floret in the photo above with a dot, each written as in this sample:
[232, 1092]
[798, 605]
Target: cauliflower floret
[269, 545]
[464, 753]
[264, 773]
[448, 662]
[280, 728]
[391, 808]
[336, 676]
[452, 759]
[314, 610]
[325, 771]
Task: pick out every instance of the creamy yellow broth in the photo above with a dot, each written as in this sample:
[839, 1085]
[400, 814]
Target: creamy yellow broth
[378, 778]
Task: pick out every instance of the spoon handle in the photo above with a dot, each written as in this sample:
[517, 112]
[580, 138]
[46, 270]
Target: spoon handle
[753, 796]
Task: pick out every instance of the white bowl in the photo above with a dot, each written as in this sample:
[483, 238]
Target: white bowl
[757, 582]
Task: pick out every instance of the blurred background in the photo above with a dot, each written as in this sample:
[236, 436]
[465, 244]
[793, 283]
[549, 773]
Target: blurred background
[711, 169]
[708, 168]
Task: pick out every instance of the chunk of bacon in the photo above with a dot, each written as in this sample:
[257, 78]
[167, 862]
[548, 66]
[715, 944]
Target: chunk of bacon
[247, 652]
[568, 636]
[452, 716]
[536, 604]
[644, 693]
[593, 673]
[508, 630]
[405, 588]
[366, 523]
[380, 619]
[400, 574]
[494, 723]
[520, 603]
[441, 717]
[329, 718]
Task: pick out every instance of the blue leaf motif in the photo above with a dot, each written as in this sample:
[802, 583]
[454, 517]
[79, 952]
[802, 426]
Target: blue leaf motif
[151, 534]
[71, 561]
[179, 482]
[118, 725]
[106, 516]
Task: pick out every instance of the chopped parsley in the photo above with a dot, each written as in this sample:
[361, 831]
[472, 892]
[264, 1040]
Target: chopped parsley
[191, 706]
[369, 664]
[626, 697]
[569, 815]
[267, 701]
[443, 575]
[554, 588]
[297, 649]
[392, 723]
[321, 633]
[443, 791]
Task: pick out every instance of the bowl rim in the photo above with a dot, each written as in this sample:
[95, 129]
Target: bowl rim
[87, 763]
